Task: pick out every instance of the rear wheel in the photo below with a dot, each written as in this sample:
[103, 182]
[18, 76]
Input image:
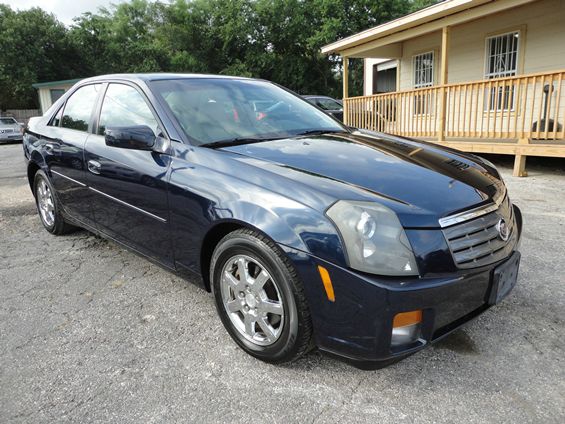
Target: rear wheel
[260, 298]
[48, 207]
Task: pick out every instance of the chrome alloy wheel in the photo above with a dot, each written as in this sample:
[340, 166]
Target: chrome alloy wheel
[252, 300]
[46, 203]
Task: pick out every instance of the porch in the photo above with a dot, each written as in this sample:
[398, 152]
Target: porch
[476, 75]
[521, 116]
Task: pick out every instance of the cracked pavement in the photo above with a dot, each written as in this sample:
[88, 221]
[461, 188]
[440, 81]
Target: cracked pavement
[91, 332]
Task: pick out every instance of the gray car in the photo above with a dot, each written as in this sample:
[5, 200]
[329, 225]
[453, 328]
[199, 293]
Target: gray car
[10, 130]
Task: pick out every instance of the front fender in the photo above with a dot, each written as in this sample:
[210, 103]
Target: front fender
[285, 221]
[202, 196]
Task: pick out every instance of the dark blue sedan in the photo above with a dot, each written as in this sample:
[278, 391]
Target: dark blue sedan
[308, 233]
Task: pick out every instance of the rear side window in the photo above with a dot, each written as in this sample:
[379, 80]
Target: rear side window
[124, 106]
[78, 108]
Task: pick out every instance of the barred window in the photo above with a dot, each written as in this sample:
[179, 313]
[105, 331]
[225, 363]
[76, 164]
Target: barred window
[501, 61]
[423, 65]
[502, 55]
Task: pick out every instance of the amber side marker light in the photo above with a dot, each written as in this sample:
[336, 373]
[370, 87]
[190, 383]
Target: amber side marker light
[406, 327]
[407, 318]
[328, 286]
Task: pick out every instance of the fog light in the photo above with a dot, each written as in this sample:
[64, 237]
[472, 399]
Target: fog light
[406, 328]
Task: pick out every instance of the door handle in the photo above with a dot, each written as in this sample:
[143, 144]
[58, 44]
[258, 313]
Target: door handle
[94, 167]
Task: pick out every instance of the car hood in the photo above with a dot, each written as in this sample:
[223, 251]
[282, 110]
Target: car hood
[420, 181]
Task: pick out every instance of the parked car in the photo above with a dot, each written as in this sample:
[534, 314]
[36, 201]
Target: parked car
[10, 129]
[307, 232]
[332, 106]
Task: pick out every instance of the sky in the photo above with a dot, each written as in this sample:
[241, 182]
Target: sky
[64, 10]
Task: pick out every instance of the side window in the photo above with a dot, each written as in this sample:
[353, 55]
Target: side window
[78, 108]
[124, 106]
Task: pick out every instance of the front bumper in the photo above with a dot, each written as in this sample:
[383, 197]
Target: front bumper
[357, 326]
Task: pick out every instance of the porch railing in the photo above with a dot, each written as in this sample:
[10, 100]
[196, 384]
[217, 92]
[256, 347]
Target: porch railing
[524, 107]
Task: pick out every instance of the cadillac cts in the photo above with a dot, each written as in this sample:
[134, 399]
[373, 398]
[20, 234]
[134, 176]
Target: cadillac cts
[307, 232]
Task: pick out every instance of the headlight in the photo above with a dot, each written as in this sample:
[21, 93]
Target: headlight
[374, 239]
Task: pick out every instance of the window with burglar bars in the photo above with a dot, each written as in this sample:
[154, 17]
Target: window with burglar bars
[423, 65]
[501, 61]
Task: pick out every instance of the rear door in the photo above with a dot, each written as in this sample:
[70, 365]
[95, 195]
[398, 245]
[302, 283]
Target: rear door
[62, 145]
[129, 186]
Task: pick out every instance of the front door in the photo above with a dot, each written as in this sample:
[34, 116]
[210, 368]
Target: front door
[129, 186]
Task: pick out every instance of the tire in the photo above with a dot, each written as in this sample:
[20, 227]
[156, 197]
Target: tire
[249, 312]
[49, 210]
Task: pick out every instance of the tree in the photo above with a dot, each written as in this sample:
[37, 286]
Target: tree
[34, 48]
[278, 40]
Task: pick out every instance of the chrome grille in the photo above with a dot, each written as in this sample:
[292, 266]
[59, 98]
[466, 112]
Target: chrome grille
[477, 242]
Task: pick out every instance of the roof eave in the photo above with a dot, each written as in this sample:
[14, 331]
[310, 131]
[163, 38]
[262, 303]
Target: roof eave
[420, 17]
[55, 83]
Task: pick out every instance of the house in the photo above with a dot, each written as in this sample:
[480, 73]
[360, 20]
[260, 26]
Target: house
[478, 75]
[49, 92]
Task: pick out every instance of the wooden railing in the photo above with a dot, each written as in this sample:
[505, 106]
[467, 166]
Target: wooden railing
[524, 107]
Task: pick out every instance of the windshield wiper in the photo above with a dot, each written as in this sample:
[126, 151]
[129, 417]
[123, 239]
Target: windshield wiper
[235, 142]
[319, 132]
[249, 140]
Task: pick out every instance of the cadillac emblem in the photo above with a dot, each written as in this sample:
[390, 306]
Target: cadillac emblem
[503, 230]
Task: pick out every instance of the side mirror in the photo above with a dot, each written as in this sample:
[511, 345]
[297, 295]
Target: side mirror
[139, 137]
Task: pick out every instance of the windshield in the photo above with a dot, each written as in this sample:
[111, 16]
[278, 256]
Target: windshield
[7, 121]
[213, 110]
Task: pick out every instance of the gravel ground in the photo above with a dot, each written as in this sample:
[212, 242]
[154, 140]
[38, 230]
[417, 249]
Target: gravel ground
[91, 332]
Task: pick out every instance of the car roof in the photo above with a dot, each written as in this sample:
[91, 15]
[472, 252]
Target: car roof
[156, 76]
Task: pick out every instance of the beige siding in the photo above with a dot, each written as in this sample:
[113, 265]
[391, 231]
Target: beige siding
[543, 38]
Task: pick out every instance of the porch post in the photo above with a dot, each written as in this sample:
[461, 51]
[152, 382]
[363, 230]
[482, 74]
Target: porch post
[345, 60]
[520, 160]
[443, 82]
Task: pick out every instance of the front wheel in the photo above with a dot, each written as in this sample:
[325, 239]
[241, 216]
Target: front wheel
[260, 298]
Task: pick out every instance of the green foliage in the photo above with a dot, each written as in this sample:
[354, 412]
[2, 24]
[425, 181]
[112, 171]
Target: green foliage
[33, 47]
[279, 40]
